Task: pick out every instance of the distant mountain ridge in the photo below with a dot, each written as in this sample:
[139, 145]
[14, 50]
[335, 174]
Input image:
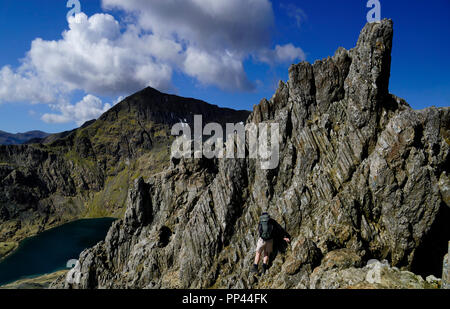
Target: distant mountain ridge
[7, 138]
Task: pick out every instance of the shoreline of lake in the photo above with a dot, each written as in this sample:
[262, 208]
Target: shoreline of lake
[68, 238]
[36, 282]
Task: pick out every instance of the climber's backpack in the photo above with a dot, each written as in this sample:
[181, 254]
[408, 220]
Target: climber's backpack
[265, 227]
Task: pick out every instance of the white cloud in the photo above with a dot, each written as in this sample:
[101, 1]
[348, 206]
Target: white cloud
[208, 40]
[96, 57]
[93, 56]
[25, 87]
[240, 25]
[218, 35]
[90, 107]
[222, 70]
[289, 52]
[281, 54]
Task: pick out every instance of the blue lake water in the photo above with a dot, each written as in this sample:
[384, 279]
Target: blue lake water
[51, 250]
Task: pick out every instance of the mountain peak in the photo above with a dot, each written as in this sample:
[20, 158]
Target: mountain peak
[151, 104]
[371, 58]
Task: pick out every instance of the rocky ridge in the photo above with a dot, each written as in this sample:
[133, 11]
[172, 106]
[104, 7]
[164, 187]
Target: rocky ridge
[362, 176]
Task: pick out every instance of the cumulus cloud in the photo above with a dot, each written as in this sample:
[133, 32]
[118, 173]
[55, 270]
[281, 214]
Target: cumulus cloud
[208, 40]
[240, 25]
[90, 107]
[218, 35]
[25, 87]
[96, 57]
[223, 70]
[281, 54]
[289, 52]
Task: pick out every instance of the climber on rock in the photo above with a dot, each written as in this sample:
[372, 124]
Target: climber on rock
[269, 230]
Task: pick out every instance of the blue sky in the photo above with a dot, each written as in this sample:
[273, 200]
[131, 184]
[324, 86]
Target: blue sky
[248, 63]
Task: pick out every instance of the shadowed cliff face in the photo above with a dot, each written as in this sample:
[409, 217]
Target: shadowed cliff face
[362, 176]
[87, 172]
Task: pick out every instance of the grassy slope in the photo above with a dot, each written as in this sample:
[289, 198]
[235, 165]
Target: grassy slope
[41, 282]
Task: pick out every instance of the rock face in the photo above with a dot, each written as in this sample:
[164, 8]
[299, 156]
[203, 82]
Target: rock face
[86, 172]
[35, 187]
[362, 176]
[345, 272]
[446, 270]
